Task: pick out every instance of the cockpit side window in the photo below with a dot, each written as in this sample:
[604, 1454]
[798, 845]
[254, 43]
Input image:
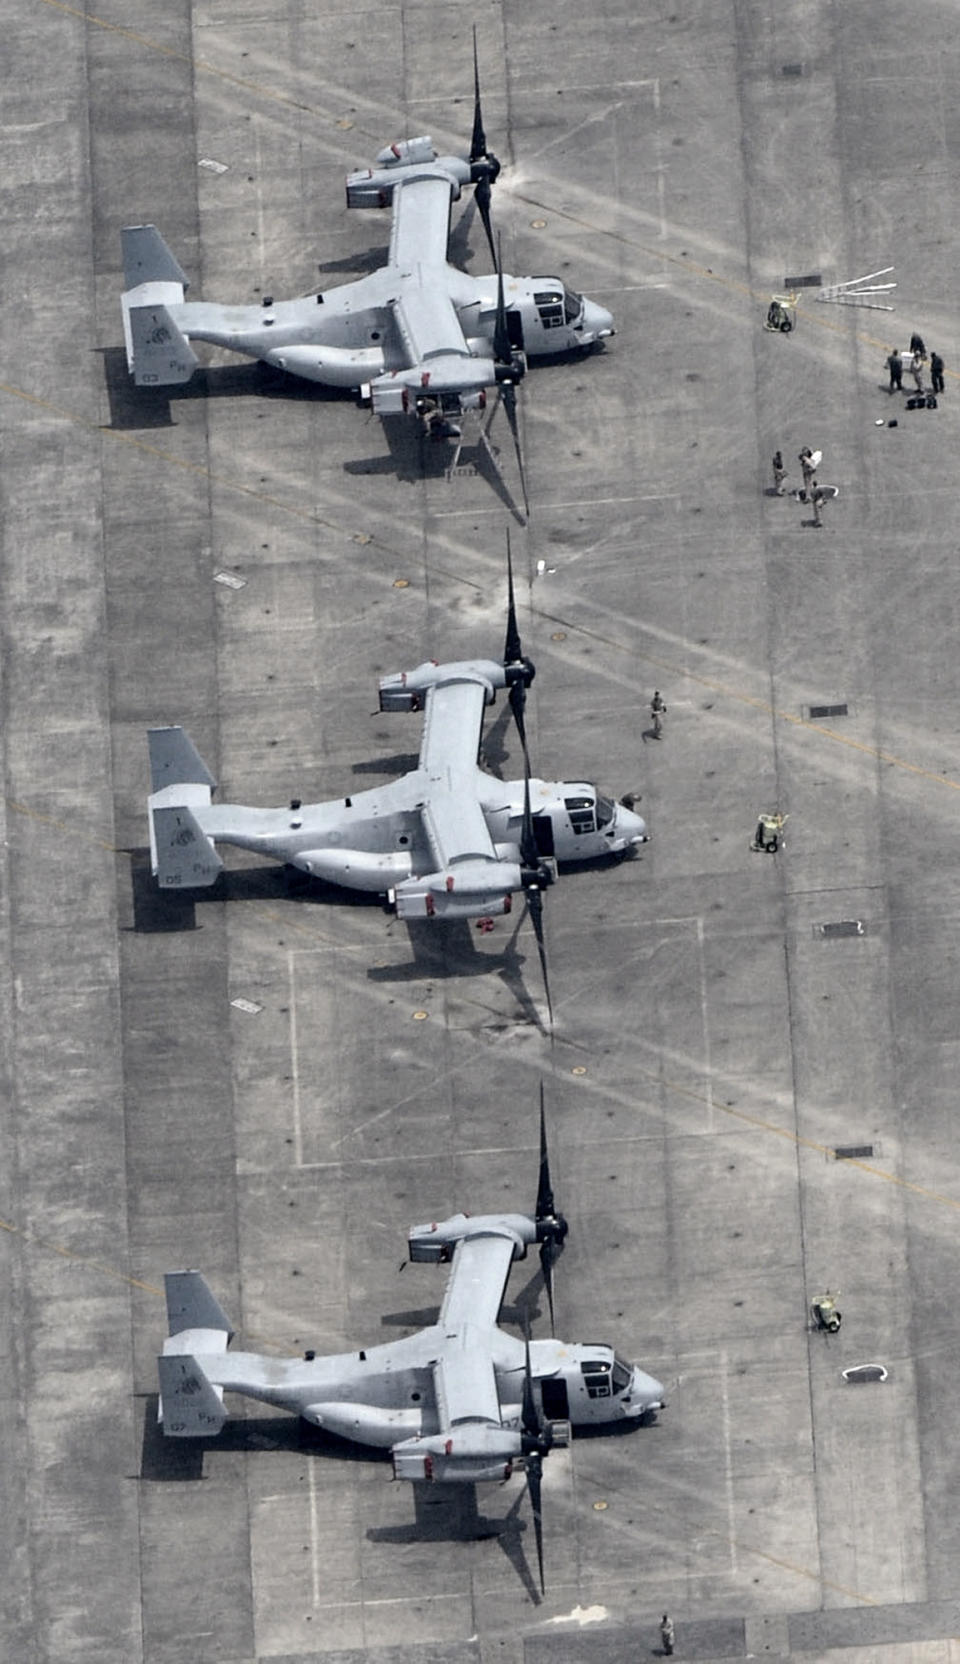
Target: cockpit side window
[549, 304]
[605, 811]
[580, 810]
[622, 1376]
[572, 305]
[596, 1377]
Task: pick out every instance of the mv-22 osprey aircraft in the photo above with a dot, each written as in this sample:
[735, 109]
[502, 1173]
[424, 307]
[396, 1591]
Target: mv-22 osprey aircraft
[417, 337]
[458, 1402]
[446, 841]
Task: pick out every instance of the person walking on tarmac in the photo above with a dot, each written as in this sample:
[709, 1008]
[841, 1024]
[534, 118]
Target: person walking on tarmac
[666, 1635]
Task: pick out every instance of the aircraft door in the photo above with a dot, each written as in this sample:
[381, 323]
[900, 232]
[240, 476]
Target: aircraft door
[515, 329]
[554, 1397]
[543, 833]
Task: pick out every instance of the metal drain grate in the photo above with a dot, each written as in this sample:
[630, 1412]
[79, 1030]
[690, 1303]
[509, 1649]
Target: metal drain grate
[859, 1374]
[792, 69]
[813, 280]
[853, 1152]
[818, 712]
[840, 927]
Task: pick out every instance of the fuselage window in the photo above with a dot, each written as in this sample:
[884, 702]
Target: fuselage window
[580, 810]
[549, 303]
[596, 1377]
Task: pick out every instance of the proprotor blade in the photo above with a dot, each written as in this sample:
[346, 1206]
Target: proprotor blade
[545, 1202]
[551, 1226]
[534, 1476]
[478, 143]
[508, 394]
[513, 646]
[535, 904]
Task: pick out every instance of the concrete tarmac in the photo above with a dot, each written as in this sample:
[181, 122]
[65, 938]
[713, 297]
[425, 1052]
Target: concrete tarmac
[751, 1080]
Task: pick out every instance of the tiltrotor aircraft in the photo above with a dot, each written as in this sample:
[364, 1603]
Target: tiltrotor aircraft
[458, 1402]
[446, 841]
[418, 337]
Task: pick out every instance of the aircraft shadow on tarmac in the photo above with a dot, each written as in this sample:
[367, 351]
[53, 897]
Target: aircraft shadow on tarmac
[181, 1461]
[437, 952]
[133, 408]
[158, 912]
[449, 1514]
[411, 457]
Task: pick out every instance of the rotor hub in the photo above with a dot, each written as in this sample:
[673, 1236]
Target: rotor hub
[484, 168]
[520, 670]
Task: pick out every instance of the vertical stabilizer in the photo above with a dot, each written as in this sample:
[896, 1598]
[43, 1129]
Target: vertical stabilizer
[191, 1407]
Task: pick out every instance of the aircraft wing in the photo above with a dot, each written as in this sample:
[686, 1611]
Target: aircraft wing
[452, 817]
[464, 1375]
[438, 359]
[421, 223]
[478, 1279]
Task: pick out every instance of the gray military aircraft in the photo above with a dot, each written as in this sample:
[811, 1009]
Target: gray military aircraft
[445, 841]
[458, 1402]
[417, 337]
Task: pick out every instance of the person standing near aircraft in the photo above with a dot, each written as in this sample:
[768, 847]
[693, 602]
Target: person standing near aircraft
[667, 1635]
[936, 372]
[779, 473]
[916, 368]
[658, 711]
[895, 366]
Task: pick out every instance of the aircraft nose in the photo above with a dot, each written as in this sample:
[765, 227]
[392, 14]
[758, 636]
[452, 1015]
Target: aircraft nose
[631, 828]
[597, 321]
[645, 1390]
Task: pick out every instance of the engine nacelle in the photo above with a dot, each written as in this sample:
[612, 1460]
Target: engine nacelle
[406, 690]
[407, 150]
[469, 890]
[472, 1452]
[434, 1244]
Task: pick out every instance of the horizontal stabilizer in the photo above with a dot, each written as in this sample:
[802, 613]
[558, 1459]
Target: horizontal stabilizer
[191, 1305]
[175, 760]
[158, 353]
[184, 858]
[147, 259]
[191, 1407]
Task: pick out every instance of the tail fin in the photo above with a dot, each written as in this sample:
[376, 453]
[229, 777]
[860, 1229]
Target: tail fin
[182, 855]
[191, 1407]
[158, 352]
[175, 760]
[147, 259]
[191, 1305]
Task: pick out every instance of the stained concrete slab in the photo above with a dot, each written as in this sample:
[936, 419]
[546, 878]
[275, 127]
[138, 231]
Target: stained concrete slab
[712, 1047]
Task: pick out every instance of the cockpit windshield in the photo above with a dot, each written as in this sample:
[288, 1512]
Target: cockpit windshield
[606, 810]
[572, 305]
[622, 1374]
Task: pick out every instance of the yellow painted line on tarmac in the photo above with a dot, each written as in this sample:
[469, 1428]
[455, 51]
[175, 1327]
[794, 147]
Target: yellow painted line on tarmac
[199, 66]
[77, 1259]
[198, 469]
[797, 1139]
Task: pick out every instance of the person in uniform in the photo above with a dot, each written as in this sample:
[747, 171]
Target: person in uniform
[895, 366]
